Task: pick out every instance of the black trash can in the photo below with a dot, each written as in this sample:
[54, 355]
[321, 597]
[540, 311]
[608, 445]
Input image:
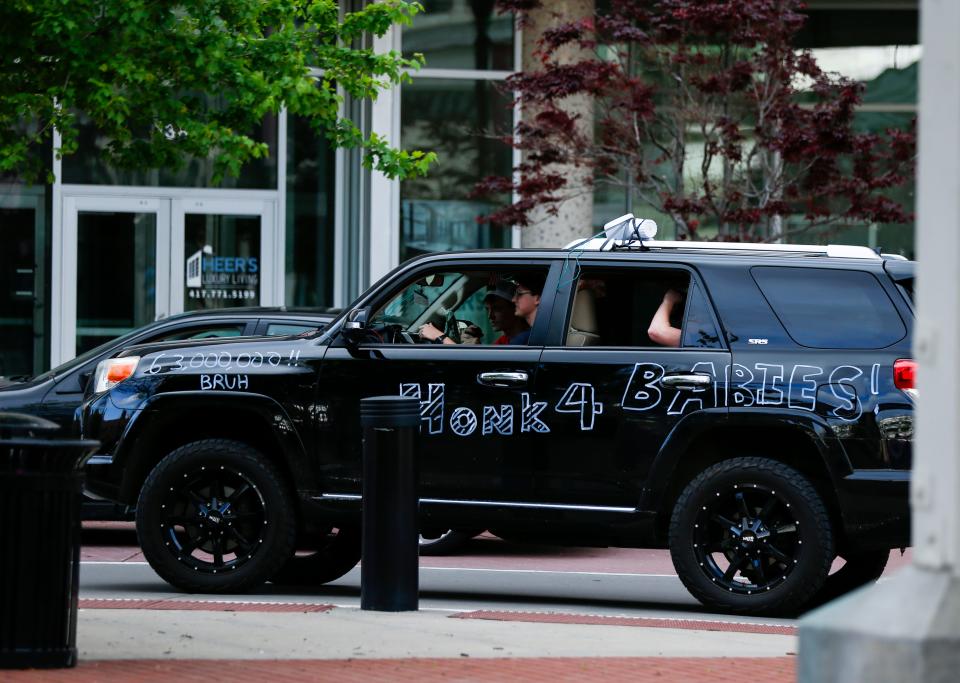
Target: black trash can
[40, 487]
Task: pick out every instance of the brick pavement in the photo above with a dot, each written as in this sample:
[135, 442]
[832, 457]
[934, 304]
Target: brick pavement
[534, 670]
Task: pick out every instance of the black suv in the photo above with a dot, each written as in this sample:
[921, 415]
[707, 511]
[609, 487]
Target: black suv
[771, 437]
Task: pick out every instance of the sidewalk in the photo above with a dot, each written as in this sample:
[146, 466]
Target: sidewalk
[203, 640]
[280, 638]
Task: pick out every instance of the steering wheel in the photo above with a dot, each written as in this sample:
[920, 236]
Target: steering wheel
[396, 334]
[451, 327]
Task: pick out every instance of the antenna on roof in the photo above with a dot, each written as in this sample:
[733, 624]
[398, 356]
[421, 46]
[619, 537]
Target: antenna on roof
[627, 229]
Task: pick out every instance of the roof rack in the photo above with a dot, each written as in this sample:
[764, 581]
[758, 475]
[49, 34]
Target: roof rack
[832, 250]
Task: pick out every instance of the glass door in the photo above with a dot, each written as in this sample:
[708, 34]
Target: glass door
[21, 282]
[115, 268]
[223, 254]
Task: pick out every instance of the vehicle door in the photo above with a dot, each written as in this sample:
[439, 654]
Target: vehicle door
[614, 395]
[477, 415]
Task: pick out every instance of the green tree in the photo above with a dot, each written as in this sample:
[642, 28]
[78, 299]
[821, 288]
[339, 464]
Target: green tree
[165, 80]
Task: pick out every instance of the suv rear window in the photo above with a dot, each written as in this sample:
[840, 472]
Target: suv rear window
[824, 308]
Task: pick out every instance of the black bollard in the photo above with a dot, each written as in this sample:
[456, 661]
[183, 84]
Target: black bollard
[40, 484]
[389, 580]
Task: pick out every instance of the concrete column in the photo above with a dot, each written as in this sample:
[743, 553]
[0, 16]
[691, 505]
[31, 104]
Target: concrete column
[908, 628]
[575, 217]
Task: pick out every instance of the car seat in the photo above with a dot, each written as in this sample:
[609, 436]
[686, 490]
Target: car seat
[583, 330]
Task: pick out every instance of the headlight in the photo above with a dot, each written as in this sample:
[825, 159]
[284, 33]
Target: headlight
[112, 371]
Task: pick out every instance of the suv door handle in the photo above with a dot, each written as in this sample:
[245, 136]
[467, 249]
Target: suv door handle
[683, 381]
[503, 379]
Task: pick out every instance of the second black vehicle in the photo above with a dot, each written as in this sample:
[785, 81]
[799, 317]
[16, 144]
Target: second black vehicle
[748, 407]
[57, 393]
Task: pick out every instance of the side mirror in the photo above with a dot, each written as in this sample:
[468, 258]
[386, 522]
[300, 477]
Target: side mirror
[355, 326]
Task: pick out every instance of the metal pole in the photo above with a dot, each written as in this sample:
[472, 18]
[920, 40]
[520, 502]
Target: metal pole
[908, 627]
[389, 569]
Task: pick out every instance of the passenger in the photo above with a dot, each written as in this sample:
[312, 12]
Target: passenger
[501, 312]
[661, 330]
[526, 300]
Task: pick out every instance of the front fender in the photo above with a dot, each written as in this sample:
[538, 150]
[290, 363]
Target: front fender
[183, 416]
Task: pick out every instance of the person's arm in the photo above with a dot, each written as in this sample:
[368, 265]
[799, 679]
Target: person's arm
[660, 330]
[431, 333]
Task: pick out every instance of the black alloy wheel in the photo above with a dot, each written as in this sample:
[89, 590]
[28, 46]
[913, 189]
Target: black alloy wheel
[747, 539]
[213, 516]
[751, 535]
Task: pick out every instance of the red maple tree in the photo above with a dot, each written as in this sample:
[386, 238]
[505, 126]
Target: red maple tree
[706, 111]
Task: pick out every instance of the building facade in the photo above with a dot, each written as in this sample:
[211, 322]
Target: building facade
[99, 251]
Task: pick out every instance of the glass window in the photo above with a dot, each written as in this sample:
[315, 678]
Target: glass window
[89, 165]
[640, 307]
[457, 34]
[117, 263]
[18, 291]
[454, 118]
[699, 329]
[862, 316]
[213, 331]
[471, 307]
[310, 215]
[284, 329]
[223, 261]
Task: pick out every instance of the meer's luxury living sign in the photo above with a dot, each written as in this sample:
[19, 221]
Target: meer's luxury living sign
[210, 276]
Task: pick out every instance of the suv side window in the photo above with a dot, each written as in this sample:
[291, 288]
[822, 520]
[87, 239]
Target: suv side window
[862, 316]
[470, 307]
[699, 329]
[616, 307]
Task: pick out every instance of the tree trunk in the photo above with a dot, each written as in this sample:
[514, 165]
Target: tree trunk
[574, 217]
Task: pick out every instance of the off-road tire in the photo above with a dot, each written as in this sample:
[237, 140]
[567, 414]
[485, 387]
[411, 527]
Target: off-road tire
[779, 566]
[328, 557]
[859, 570]
[215, 495]
[449, 542]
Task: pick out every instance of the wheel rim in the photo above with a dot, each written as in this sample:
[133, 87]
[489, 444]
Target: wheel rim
[214, 520]
[426, 541]
[746, 538]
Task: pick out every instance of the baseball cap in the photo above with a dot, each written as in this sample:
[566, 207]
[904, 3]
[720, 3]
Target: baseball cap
[503, 289]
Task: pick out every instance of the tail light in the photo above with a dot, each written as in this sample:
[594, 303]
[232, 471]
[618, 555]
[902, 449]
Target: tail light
[112, 371]
[905, 376]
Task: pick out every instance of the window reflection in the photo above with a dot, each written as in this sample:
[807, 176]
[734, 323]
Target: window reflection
[90, 166]
[18, 260]
[223, 268]
[461, 34]
[454, 118]
[310, 216]
[117, 267]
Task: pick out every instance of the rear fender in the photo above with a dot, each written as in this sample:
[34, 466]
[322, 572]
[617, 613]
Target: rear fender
[721, 433]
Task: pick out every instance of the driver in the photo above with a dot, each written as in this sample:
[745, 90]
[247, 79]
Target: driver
[501, 312]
